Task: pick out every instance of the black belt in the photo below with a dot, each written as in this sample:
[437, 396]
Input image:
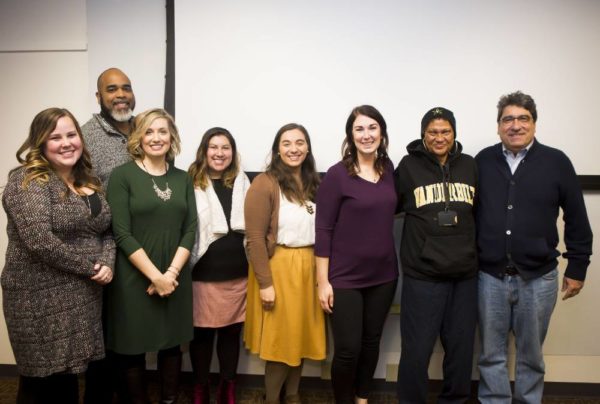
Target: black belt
[511, 270]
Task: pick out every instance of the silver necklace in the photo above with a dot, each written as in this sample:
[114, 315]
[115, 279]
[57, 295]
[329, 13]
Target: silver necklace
[164, 195]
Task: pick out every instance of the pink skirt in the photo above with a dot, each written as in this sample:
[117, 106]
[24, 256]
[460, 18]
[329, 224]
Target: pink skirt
[219, 304]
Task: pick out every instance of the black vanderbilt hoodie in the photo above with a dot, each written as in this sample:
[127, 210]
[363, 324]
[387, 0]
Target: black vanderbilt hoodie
[429, 251]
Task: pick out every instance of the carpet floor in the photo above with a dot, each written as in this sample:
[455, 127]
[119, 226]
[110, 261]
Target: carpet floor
[253, 395]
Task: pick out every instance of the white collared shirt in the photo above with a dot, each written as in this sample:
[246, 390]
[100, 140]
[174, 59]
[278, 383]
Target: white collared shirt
[514, 160]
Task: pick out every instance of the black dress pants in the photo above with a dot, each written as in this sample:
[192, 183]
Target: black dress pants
[446, 309]
[357, 324]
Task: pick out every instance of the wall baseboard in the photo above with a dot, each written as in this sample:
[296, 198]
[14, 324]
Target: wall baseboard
[380, 385]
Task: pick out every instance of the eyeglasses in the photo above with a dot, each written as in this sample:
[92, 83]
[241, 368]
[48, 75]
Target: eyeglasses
[509, 119]
[437, 133]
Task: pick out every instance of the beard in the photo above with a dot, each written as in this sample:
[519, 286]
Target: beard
[121, 116]
[117, 115]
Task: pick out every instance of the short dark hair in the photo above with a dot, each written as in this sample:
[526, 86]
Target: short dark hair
[518, 99]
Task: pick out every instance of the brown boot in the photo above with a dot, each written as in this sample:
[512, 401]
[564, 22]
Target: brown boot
[293, 399]
[265, 401]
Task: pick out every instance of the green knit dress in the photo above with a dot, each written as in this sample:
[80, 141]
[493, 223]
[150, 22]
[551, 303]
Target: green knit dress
[137, 322]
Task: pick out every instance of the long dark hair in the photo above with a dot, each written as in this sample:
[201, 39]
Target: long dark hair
[299, 193]
[37, 167]
[199, 168]
[349, 153]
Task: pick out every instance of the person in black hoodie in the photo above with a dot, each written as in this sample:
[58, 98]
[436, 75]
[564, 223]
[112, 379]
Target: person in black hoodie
[435, 183]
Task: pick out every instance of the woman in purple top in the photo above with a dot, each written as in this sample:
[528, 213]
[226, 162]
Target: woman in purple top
[354, 249]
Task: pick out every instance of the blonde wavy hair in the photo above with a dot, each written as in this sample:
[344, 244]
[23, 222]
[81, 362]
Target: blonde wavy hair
[141, 124]
[37, 167]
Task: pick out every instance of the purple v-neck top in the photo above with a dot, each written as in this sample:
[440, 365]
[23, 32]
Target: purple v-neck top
[354, 228]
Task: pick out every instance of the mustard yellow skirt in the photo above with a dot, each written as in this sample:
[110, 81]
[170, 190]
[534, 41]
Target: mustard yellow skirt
[295, 328]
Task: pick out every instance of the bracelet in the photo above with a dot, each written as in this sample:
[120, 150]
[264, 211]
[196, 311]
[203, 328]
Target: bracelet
[177, 269]
[173, 271]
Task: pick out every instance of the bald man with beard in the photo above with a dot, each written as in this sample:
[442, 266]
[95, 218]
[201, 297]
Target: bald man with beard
[106, 133]
[105, 136]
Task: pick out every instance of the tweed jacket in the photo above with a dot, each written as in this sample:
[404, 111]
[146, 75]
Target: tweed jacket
[52, 307]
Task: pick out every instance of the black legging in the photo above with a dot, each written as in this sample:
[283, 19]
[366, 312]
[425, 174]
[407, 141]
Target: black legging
[132, 369]
[357, 324]
[228, 349]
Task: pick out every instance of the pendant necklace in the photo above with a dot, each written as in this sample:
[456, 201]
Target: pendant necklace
[86, 199]
[309, 208]
[166, 194]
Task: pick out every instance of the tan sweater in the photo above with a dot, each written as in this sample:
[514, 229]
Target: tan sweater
[261, 212]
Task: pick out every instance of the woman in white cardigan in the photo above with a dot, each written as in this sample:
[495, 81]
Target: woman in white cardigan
[220, 268]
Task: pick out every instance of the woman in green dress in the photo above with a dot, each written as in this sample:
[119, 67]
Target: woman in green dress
[149, 305]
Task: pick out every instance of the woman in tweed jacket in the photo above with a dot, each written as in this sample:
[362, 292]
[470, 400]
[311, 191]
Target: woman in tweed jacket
[60, 253]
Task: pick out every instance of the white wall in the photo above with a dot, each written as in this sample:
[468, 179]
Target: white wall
[58, 64]
[130, 35]
[254, 66]
[57, 28]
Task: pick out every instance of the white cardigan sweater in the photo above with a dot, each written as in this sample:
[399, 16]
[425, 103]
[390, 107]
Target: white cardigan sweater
[212, 223]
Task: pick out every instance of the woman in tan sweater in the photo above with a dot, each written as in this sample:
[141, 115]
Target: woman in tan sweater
[284, 322]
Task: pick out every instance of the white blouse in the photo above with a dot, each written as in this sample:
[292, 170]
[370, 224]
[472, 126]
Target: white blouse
[296, 223]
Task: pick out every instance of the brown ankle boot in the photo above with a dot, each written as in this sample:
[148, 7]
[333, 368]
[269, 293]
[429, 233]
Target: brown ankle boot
[265, 401]
[293, 399]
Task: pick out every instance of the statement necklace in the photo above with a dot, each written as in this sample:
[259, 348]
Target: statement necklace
[166, 194]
